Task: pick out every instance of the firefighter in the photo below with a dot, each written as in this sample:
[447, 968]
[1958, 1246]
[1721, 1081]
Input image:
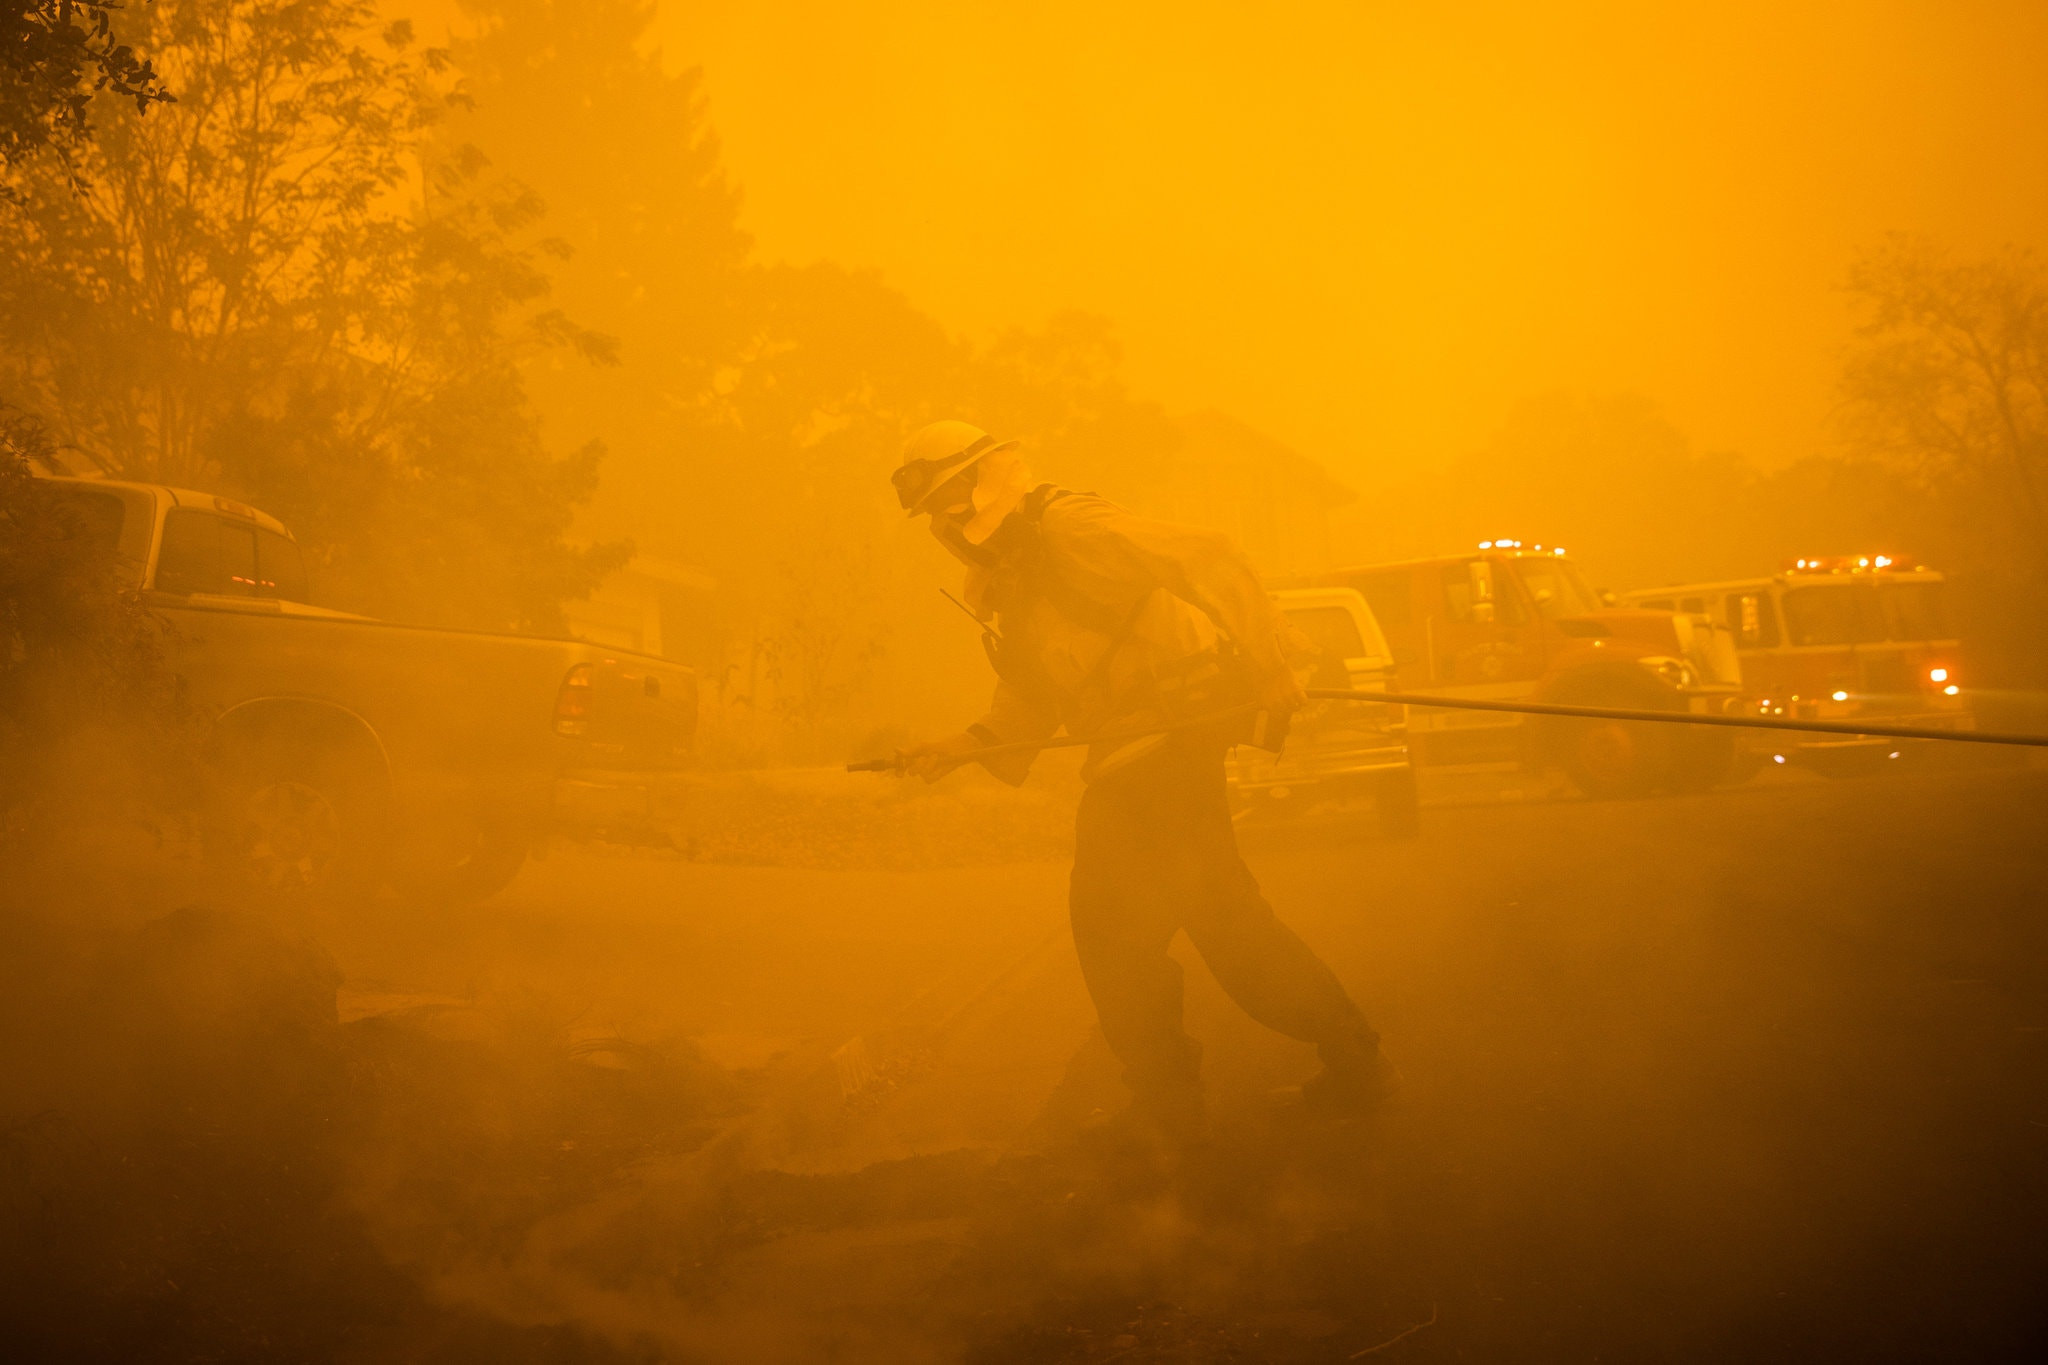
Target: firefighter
[1105, 623]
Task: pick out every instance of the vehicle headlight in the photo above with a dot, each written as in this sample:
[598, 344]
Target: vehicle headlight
[1673, 672]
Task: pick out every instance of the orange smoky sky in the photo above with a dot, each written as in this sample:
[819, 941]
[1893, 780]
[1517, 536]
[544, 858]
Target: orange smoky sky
[1370, 228]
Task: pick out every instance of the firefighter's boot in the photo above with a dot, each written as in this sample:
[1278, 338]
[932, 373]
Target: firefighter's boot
[1357, 1080]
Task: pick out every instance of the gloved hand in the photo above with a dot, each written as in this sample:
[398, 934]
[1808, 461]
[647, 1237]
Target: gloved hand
[933, 760]
[1282, 694]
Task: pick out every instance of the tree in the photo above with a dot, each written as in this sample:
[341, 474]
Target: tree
[1950, 380]
[570, 98]
[1946, 391]
[55, 57]
[280, 287]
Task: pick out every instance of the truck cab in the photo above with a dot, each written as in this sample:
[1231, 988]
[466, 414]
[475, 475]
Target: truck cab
[182, 544]
[1517, 621]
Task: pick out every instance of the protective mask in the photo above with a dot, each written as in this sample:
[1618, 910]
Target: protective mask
[950, 530]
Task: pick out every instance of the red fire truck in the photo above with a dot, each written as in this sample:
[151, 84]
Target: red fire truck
[1836, 638]
[1516, 621]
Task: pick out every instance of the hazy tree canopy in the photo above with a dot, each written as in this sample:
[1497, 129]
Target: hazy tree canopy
[55, 56]
[1950, 382]
[568, 98]
[281, 287]
[1947, 394]
[743, 385]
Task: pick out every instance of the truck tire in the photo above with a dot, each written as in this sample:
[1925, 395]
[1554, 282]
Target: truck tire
[291, 816]
[1611, 759]
[1396, 805]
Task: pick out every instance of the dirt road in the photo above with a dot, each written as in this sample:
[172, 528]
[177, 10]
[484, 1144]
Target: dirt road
[1758, 1074]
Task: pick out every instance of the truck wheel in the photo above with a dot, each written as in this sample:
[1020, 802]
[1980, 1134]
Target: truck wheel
[1616, 758]
[1613, 758]
[1396, 805]
[290, 819]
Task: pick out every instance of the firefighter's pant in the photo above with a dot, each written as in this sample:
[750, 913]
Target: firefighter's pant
[1155, 851]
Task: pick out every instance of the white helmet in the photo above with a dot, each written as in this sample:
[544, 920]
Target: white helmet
[936, 453]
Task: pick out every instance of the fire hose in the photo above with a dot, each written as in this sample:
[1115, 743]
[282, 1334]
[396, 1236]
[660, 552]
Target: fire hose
[1854, 729]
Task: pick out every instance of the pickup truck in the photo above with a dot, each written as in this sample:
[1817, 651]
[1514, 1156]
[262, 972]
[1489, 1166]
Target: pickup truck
[349, 752]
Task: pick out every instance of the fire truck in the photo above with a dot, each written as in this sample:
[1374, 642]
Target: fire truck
[1836, 638]
[1516, 621]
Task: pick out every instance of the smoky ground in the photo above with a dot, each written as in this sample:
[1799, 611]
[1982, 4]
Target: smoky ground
[1758, 1074]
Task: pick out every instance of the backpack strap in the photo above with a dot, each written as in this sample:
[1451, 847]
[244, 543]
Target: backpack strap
[1037, 574]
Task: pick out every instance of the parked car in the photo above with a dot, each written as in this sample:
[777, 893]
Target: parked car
[1337, 752]
[347, 750]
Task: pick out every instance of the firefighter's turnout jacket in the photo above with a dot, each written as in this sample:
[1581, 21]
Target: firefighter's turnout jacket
[1107, 622]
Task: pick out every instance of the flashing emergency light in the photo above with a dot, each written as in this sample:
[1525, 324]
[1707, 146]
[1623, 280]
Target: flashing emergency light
[1849, 563]
[1501, 543]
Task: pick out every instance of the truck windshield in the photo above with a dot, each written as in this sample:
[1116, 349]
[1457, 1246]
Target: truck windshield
[210, 554]
[1337, 638]
[1914, 611]
[1834, 614]
[1558, 587]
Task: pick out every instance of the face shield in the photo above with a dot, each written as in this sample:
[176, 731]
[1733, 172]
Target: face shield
[966, 519]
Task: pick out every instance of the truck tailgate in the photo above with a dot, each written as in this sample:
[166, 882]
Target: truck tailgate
[629, 711]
